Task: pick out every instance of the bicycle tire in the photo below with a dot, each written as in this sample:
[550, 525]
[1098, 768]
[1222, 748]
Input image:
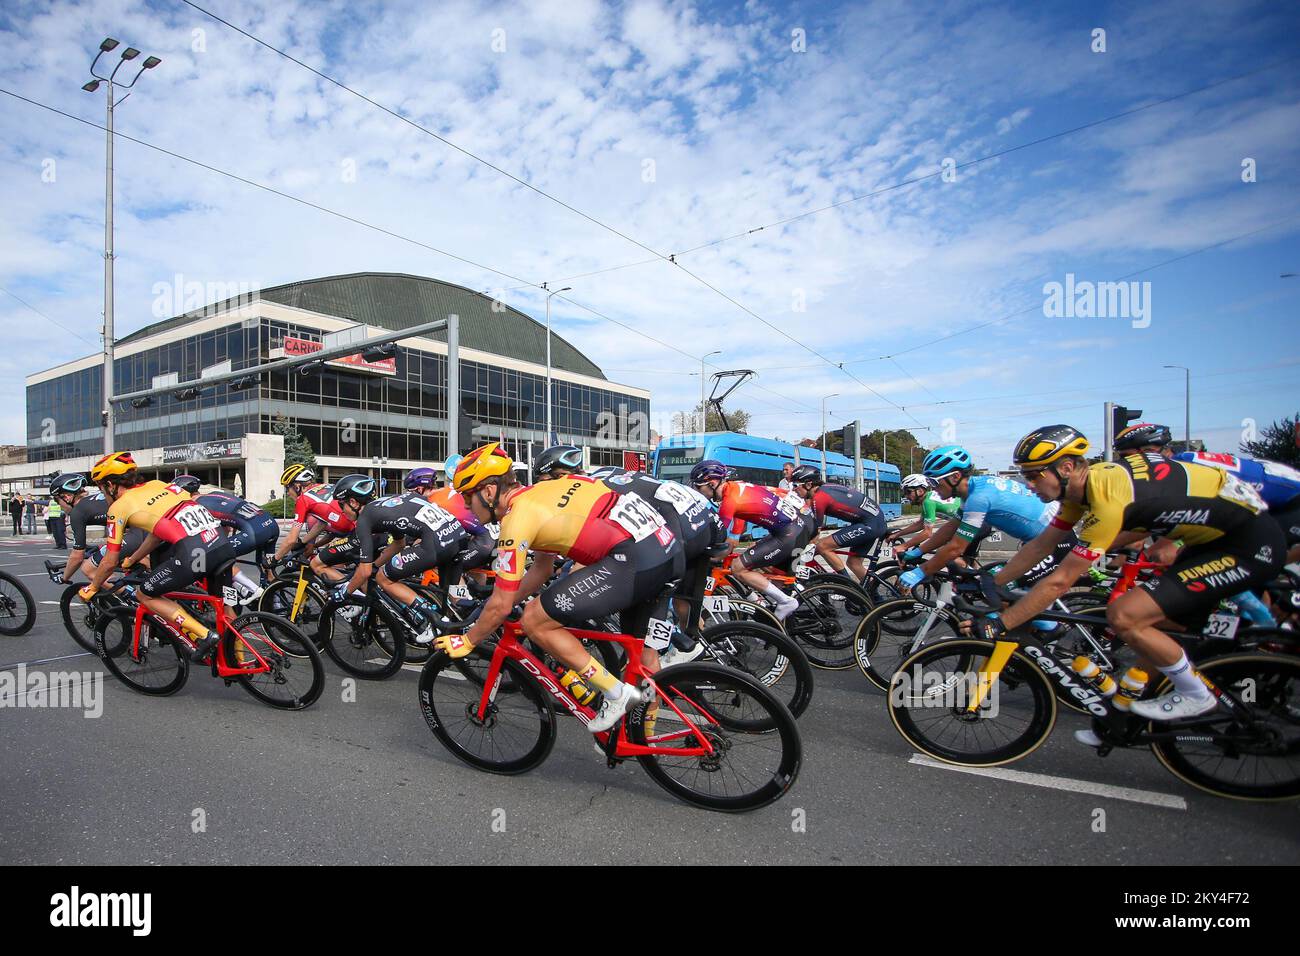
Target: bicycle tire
[448, 707]
[769, 656]
[363, 651]
[311, 619]
[878, 650]
[115, 629]
[765, 731]
[742, 610]
[1278, 697]
[17, 620]
[78, 618]
[285, 648]
[967, 653]
[825, 622]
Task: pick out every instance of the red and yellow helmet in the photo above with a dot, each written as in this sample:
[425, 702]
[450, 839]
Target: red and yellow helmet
[480, 465]
[115, 463]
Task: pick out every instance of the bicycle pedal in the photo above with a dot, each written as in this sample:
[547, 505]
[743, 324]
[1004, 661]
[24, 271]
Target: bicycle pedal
[1105, 749]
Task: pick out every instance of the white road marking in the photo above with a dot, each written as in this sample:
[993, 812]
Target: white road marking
[50, 602]
[35, 574]
[1060, 783]
[46, 660]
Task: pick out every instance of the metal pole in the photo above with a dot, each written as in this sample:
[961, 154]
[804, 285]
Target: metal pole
[1187, 411]
[547, 440]
[108, 280]
[704, 413]
[857, 454]
[453, 384]
[1108, 416]
[823, 436]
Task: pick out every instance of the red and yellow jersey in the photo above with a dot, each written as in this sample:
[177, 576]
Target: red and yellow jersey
[769, 508]
[454, 503]
[161, 509]
[576, 517]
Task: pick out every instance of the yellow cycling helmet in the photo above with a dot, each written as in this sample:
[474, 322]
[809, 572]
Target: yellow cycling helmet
[480, 465]
[1048, 445]
[296, 473]
[115, 463]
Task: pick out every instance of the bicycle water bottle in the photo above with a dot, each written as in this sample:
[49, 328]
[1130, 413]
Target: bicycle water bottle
[1087, 668]
[1131, 686]
[576, 686]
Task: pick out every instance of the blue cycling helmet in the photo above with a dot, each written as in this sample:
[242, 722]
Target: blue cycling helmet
[708, 470]
[420, 478]
[946, 459]
[450, 465]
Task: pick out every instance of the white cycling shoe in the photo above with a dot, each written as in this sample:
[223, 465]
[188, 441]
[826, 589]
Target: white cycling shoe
[673, 656]
[612, 710]
[785, 609]
[1173, 706]
[248, 597]
[1087, 738]
[351, 612]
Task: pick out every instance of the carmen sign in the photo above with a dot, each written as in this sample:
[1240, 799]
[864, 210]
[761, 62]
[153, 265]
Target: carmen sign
[293, 347]
[204, 451]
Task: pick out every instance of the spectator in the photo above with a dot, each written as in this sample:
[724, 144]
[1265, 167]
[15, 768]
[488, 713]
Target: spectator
[786, 471]
[30, 502]
[16, 512]
[56, 523]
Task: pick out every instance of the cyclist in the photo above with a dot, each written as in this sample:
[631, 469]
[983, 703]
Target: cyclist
[481, 538]
[85, 508]
[866, 523]
[322, 511]
[298, 482]
[989, 503]
[626, 551]
[919, 492]
[686, 512]
[195, 547]
[1277, 484]
[249, 528]
[781, 513]
[424, 536]
[1145, 437]
[1229, 543]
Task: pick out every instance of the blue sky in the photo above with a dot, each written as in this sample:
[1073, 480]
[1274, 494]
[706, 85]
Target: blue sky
[679, 124]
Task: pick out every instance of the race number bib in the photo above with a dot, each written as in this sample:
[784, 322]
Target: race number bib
[791, 504]
[1221, 625]
[803, 572]
[433, 517]
[719, 605]
[1234, 489]
[675, 495]
[460, 591]
[196, 519]
[636, 517]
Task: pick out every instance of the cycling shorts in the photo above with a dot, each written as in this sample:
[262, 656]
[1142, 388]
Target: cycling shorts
[778, 549]
[1205, 574]
[860, 538]
[132, 538]
[259, 534]
[428, 551]
[187, 561]
[628, 581]
[1288, 518]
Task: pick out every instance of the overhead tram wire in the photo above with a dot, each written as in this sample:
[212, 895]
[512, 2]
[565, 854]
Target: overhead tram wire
[47, 318]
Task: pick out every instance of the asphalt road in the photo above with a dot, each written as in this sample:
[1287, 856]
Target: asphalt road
[212, 776]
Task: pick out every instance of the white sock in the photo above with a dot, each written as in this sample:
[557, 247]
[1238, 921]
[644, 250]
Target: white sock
[245, 582]
[1184, 679]
[776, 595]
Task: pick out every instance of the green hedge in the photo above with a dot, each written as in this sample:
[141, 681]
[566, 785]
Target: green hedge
[279, 508]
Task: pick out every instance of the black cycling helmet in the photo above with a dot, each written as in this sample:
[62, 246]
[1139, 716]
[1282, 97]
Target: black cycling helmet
[360, 488]
[1141, 435]
[709, 470]
[69, 484]
[807, 475]
[568, 457]
[186, 483]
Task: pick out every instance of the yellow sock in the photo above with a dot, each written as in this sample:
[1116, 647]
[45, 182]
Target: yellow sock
[595, 675]
[195, 629]
[651, 715]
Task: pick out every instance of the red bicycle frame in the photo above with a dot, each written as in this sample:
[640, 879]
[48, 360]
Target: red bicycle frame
[1129, 572]
[510, 646]
[223, 669]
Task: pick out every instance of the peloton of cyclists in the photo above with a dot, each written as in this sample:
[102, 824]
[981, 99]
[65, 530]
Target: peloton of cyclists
[865, 523]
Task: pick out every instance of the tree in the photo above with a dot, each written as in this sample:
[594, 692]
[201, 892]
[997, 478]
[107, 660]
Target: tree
[297, 449]
[900, 445]
[738, 417]
[1277, 442]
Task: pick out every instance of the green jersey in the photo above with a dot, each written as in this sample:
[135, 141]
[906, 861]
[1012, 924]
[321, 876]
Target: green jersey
[933, 506]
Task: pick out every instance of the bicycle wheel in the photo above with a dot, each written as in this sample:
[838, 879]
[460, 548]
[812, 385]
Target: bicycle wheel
[826, 621]
[929, 701]
[278, 599]
[1246, 760]
[17, 608]
[516, 733]
[78, 618]
[741, 610]
[889, 589]
[756, 747]
[158, 667]
[878, 648]
[296, 676]
[767, 655]
[371, 647]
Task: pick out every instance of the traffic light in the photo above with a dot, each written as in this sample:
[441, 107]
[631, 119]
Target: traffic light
[849, 438]
[465, 434]
[1120, 418]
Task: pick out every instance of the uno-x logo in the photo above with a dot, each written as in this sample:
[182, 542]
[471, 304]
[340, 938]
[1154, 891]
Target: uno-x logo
[568, 495]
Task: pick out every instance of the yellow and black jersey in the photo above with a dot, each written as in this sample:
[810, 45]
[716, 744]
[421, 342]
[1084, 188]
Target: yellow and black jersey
[1193, 503]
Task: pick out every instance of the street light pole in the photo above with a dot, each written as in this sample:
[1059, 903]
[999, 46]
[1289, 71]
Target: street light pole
[567, 288]
[824, 400]
[704, 414]
[1187, 405]
[129, 54]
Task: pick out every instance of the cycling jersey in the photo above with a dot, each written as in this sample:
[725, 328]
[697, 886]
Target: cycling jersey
[251, 527]
[1005, 505]
[1193, 503]
[576, 517]
[932, 506]
[844, 503]
[454, 503]
[687, 513]
[741, 503]
[318, 505]
[1277, 484]
[90, 510]
[431, 535]
[160, 509]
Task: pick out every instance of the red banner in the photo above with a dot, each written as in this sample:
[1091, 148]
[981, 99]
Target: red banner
[295, 347]
[633, 461]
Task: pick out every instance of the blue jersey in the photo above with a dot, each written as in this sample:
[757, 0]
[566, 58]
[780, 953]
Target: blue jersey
[1005, 505]
[1277, 484]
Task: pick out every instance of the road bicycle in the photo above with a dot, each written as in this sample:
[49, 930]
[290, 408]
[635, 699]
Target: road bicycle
[981, 703]
[720, 739]
[263, 653]
[17, 608]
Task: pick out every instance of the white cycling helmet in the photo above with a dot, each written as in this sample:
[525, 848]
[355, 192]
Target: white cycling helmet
[917, 481]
